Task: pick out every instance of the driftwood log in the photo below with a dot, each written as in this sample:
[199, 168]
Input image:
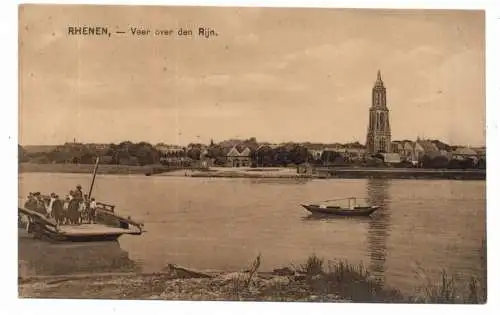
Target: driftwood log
[182, 272]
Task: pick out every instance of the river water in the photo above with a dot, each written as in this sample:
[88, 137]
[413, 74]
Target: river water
[423, 227]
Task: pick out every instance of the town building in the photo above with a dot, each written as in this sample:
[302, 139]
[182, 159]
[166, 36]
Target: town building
[316, 154]
[169, 150]
[378, 139]
[414, 151]
[391, 158]
[172, 155]
[426, 148]
[238, 157]
[463, 153]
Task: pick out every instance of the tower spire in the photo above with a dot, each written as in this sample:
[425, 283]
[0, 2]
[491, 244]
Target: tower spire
[379, 130]
[379, 82]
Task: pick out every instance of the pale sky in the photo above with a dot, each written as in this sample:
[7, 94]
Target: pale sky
[274, 74]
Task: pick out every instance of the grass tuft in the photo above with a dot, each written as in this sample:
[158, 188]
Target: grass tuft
[313, 266]
[353, 282]
[240, 285]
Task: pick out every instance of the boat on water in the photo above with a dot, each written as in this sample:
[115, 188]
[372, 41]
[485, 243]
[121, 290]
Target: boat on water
[109, 226]
[106, 226]
[352, 209]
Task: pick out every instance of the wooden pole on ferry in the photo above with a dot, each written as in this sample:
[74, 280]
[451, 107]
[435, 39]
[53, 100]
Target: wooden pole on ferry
[93, 176]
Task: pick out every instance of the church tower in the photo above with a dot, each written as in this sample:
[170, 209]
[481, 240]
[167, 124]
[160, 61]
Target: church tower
[378, 138]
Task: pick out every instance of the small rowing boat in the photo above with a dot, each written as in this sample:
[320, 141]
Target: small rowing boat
[352, 209]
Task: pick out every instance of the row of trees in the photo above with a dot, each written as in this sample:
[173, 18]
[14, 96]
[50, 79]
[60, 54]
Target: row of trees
[442, 162]
[127, 153]
[143, 153]
[281, 156]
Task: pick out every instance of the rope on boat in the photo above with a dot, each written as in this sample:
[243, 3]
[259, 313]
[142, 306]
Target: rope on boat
[339, 199]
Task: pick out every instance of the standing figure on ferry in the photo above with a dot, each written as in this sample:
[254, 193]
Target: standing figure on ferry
[73, 208]
[31, 203]
[78, 194]
[93, 209]
[50, 205]
[65, 210]
[40, 204]
[57, 210]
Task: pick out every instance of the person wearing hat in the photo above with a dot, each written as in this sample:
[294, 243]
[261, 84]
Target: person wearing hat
[31, 203]
[78, 195]
[40, 204]
[72, 207]
[57, 210]
[78, 192]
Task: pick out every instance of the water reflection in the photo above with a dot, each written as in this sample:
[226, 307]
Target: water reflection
[222, 223]
[38, 257]
[332, 218]
[280, 181]
[379, 227]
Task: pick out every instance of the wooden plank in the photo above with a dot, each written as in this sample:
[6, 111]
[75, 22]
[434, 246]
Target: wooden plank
[184, 272]
[105, 207]
[122, 218]
[91, 229]
[37, 216]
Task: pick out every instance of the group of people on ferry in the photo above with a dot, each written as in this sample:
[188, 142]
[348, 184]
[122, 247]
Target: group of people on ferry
[76, 208]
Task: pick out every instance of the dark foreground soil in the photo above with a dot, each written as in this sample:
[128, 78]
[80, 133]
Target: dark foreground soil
[343, 283]
[222, 287]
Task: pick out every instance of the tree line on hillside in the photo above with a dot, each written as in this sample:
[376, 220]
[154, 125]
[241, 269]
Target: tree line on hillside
[125, 153]
[143, 153]
[289, 154]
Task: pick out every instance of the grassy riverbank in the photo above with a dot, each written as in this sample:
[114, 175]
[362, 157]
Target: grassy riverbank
[89, 168]
[388, 173]
[312, 281]
[405, 173]
[284, 173]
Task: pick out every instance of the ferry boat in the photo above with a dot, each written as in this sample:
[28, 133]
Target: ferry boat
[106, 226]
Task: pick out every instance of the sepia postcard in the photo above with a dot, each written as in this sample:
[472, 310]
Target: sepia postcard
[252, 154]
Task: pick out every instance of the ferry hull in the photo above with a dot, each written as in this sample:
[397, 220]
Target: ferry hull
[42, 228]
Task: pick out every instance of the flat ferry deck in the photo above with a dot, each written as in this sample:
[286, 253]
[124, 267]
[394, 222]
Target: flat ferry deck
[92, 229]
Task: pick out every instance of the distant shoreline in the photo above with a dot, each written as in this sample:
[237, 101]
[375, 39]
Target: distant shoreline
[360, 174]
[83, 168]
[274, 172]
[408, 173]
